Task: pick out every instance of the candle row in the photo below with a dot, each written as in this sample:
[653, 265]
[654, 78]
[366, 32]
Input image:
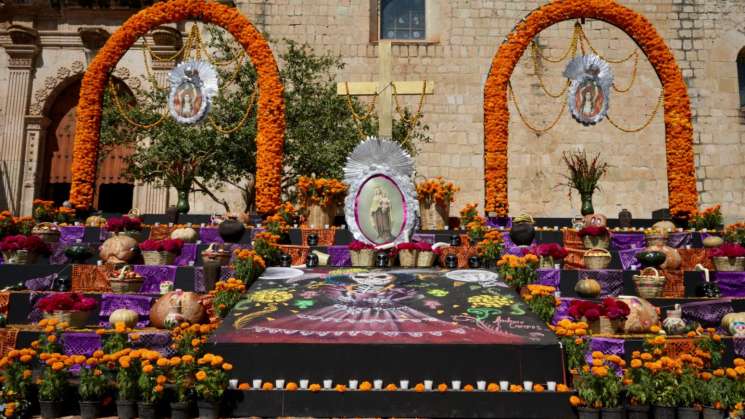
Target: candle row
[405, 385]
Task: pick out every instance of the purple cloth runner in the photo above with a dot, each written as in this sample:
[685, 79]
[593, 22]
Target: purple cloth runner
[71, 234]
[42, 283]
[199, 286]
[739, 346]
[137, 303]
[628, 259]
[708, 313]
[81, 343]
[210, 235]
[731, 284]
[562, 311]
[607, 346]
[157, 341]
[188, 254]
[423, 237]
[154, 275]
[511, 249]
[496, 222]
[625, 241]
[679, 239]
[339, 256]
[610, 280]
[550, 277]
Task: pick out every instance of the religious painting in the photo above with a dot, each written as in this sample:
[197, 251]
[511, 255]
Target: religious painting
[368, 306]
[589, 91]
[193, 85]
[381, 203]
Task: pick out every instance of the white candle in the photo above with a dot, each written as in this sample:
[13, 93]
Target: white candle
[279, 384]
[504, 385]
[256, 384]
[304, 384]
[353, 384]
[202, 225]
[327, 384]
[378, 384]
[428, 385]
[233, 383]
[404, 384]
[528, 385]
[456, 385]
[481, 385]
[551, 385]
[326, 226]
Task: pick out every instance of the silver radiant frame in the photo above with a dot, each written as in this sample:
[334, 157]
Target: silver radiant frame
[589, 92]
[193, 85]
[380, 170]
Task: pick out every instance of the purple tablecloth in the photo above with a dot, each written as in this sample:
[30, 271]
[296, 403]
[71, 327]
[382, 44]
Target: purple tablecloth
[423, 237]
[137, 303]
[680, 239]
[496, 222]
[708, 313]
[71, 234]
[628, 259]
[339, 256]
[155, 274]
[550, 277]
[210, 235]
[562, 311]
[188, 254]
[81, 343]
[625, 241]
[199, 286]
[610, 280]
[731, 284]
[608, 346]
[739, 346]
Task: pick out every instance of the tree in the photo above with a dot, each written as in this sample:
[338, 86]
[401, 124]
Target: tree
[204, 157]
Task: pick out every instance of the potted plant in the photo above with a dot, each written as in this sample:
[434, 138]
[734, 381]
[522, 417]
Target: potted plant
[572, 335]
[584, 175]
[181, 373]
[735, 233]
[518, 271]
[468, 214]
[476, 229]
[605, 318]
[53, 384]
[600, 387]
[161, 252]
[319, 198]
[426, 255]
[211, 382]
[266, 245]
[541, 300]
[688, 383]
[710, 218]
[151, 383]
[7, 224]
[92, 387]
[715, 393]
[362, 254]
[125, 225]
[435, 196]
[128, 392]
[729, 257]
[640, 389]
[248, 266]
[43, 211]
[490, 248]
[550, 254]
[22, 250]
[17, 381]
[595, 237]
[407, 254]
[70, 308]
[226, 295]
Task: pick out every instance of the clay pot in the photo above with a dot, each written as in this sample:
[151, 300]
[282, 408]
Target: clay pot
[177, 305]
[624, 218]
[119, 248]
[672, 257]
[522, 234]
[231, 230]
[674, 323]
[651, 258]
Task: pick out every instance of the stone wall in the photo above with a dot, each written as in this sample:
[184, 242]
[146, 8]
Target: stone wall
[463, 36]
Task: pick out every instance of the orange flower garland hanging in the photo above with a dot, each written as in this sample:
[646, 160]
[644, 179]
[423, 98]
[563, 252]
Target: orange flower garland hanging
[683, 196]
[271, 118]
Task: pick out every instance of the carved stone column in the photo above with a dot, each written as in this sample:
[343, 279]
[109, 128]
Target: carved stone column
[167, 42]
[22, 51]
[36, 130]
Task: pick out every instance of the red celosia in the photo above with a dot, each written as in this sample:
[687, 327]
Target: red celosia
[357, 245]
[21, 242]
[730, 250]
[167, 245]
[66, 301]
[594, 231]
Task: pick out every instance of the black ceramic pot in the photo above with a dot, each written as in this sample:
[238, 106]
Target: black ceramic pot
[651, 258]
[451, 262]
[664, 412]
[474, 262]
[208, 410]
[711, 413]
[624, 218]
[89, 410]
[588, 413]
[522, 234]
[708, 290]
[311, 261]
[637, 412]
[146, 410]
[126, 409]
[285, 260]
[455, 240]
[688, 413]
[231, 231]
[613, 413]
[50, 410]
[78, 253]
[172, 214]
[381, 260]
[313, 239]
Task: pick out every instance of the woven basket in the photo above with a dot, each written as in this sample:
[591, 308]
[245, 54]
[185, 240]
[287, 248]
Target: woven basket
[75, 319]
[597, 262]
[407, 258]
[47, 232]
[320, 217]
[158, 258]
[119, 284]
[726, 264]
[220, 256]
[546, 262]
[649, 286]
[20, 257]
[433, 216]
[425, 259]
[363, 258]
[601, 326]
[596, 242]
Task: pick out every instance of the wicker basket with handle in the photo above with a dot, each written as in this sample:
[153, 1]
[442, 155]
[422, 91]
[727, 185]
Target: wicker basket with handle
[407, 258]
[158, 258]
[649, 285]
[122, 284]
[215, 253]
[597, 258]
[75, 319]
[425, 259]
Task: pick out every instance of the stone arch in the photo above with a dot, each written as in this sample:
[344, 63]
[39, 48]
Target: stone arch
[271, 122]
[683, 196]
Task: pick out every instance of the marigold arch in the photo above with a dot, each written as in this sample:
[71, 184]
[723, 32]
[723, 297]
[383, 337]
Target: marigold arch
[681, 171]
[270, 119]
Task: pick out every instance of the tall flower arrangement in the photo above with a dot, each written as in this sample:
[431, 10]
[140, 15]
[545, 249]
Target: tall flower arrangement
[319, 191]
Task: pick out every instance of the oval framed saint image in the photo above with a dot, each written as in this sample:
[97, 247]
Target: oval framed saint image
[380, 210]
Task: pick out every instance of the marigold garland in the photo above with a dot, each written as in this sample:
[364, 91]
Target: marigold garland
[683, 196]
[271, 120]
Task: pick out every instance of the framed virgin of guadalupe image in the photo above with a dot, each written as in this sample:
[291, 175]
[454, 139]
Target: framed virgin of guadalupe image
[589, 92]
[381, 202]
[193, 85]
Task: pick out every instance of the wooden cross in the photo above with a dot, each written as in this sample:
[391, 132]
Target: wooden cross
[384, 88]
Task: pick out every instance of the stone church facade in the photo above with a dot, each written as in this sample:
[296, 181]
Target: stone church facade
[46, 48]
